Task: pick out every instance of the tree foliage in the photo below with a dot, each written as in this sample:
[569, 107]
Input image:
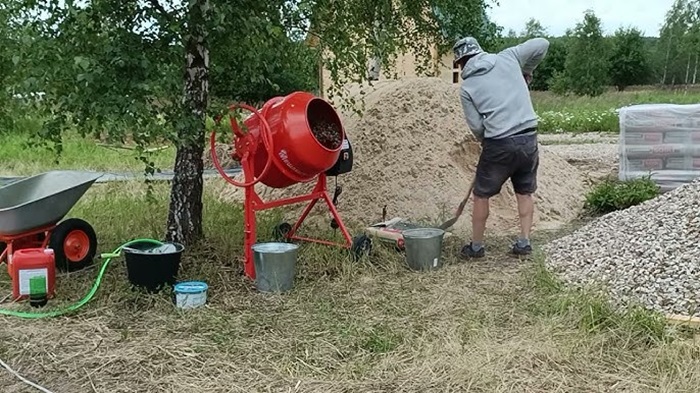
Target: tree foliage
[629, 59]
[679, 43]
[9, 40]
[586, 66]
[256, 58]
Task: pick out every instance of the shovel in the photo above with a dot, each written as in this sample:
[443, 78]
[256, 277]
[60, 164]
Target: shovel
[460, 208]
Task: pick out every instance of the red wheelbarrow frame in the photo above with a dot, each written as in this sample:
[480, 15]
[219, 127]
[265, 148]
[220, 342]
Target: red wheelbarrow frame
[24, 240]
[77, 245]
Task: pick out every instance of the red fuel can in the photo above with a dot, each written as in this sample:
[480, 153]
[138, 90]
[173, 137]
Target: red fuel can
[27, 266]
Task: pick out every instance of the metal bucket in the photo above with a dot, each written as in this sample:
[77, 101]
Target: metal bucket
[275, 266]
[423, 248]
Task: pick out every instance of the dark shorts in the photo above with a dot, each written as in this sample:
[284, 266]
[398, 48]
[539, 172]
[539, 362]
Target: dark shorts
[515, 157]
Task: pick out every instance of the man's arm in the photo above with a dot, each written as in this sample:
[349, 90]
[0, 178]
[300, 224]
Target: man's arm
[529, 54]
[475, 120]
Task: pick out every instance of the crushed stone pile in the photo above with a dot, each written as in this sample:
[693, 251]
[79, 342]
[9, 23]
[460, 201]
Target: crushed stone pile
[414, 153]
[647, 254]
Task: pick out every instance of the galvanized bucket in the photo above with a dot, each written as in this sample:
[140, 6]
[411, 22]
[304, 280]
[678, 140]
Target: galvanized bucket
[424, 248]
[275, 266]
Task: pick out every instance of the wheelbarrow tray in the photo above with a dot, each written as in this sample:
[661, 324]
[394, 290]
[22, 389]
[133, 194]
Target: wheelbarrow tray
[42, 200]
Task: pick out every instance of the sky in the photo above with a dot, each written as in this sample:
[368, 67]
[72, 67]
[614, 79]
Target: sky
[558, 15]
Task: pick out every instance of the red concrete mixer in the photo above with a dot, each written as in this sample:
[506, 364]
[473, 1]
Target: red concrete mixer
[293, 139]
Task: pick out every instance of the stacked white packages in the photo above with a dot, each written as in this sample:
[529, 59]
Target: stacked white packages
[661, 140]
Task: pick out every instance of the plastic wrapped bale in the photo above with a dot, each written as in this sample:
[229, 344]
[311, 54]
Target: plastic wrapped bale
[660, 140]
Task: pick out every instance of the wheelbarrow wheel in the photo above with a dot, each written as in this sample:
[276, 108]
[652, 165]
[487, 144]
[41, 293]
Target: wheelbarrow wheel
[74, 243]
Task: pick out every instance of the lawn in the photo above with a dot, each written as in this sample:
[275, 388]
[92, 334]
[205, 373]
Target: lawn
[497, 325]
[581, 114]
[18, 158]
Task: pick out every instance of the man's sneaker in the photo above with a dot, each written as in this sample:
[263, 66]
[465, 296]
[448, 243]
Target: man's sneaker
[468, 252]
[518, 250]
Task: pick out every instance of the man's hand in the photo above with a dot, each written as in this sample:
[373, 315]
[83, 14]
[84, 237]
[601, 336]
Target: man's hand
[528, 78]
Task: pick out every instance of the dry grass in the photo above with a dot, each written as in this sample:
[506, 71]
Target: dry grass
[498, 325]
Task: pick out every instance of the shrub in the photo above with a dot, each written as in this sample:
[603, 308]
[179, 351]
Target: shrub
[614, 194]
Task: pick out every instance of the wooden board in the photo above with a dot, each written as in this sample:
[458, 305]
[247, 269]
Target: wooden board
[677, 319]
[392, 230]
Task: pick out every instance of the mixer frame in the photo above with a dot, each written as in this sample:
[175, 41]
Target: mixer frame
[253, 203]
[246, 144]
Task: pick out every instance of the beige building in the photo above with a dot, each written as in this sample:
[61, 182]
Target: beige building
[405, 66]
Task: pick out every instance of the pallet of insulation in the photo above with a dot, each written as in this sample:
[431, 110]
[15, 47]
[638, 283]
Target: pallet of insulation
[661, 141]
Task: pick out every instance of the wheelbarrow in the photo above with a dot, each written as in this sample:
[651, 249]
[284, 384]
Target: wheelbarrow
[31, 211]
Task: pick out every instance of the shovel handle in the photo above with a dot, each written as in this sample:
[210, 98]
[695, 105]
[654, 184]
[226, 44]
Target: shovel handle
[460, 208]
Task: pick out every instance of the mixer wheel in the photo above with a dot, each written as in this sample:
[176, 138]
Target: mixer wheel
[361, 246]
[281, 230]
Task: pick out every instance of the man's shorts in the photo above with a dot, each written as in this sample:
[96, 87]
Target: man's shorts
[515, 157]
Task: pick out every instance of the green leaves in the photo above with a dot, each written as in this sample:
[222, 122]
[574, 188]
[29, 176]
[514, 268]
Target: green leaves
[613, 195]
[586, 66]
[629, 59]
[679, 43]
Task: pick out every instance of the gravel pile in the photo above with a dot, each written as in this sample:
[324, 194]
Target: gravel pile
[648, 254]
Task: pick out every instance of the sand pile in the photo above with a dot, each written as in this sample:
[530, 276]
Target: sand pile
[414, 153]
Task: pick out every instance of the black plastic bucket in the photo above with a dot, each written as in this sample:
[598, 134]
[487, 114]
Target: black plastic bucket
[152, 267]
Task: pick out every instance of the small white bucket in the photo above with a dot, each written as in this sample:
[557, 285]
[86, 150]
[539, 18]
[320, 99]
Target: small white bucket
[190, 294]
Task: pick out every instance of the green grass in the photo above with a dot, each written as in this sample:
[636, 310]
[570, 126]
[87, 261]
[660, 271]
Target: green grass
[18, 158]
[496, 325]
[590, 114]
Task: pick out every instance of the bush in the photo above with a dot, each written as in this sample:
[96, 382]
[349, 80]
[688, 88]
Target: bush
[614, 195]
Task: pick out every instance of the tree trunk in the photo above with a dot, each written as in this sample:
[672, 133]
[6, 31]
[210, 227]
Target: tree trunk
[185, 213]
[375, 62]
[687, 71]
[374, 68]
[668, 55]
[695, 70]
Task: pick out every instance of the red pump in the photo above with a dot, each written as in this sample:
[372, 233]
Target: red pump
[290, 154]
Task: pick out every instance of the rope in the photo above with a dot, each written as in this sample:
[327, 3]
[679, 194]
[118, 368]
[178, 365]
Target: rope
[23, 379]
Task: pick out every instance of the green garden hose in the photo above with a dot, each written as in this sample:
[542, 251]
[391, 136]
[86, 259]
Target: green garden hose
[89, 296]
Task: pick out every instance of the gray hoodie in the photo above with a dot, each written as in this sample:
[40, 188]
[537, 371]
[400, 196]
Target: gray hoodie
[494, 94]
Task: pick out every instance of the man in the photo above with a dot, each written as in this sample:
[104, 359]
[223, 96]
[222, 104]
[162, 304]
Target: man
[496, 102]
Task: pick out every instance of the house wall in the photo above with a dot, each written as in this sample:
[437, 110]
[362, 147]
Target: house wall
[405, 67]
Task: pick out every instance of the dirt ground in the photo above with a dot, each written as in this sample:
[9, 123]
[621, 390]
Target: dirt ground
[368, 326]
[595, 155]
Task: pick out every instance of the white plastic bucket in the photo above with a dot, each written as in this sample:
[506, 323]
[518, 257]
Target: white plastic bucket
[190, 294]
